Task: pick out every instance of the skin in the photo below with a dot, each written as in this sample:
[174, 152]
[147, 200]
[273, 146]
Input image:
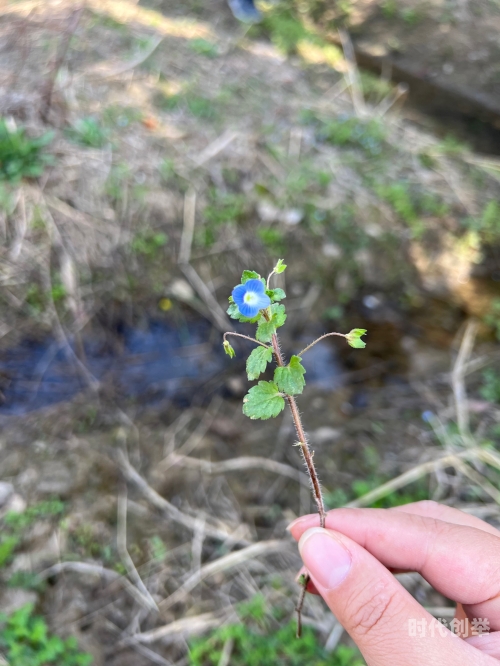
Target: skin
[352, 561]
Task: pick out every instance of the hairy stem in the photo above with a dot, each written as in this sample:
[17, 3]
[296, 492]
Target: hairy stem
[308, 458]
[340, 335]
[306, 451]
[247, 337]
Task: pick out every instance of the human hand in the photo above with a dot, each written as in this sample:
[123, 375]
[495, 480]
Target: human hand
[351, 565]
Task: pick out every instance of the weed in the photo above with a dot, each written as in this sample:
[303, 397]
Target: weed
[488, 224]
[88, 132]
[412, 493]
[20, 156]
[223, 208]
[15, 524]
[490, 389]
[115, 184]
[375, 88]
[204, 47]
[389, 9]
[8, 544]
[492, 319]
[348, 130]
[25, 641]
[272, 238]
[148, 243]
[18, 522]
[452, 147]
[411, 206]
[121, 116]
[198, 105]
[27, 580]
[285, 30]
[259, 639]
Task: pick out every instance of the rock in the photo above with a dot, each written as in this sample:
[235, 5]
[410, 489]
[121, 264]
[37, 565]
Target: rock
[332, 250]
[292, 216]
[181, 290]
[56, 478]
[6, 490]
[267, 211]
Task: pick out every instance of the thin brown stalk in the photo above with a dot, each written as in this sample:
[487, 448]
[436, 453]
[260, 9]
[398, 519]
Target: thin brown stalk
[308, 459]
[247, 337]
[340, 335]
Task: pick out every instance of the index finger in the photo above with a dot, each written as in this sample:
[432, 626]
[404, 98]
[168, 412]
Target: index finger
[449, 514]
[460, 561]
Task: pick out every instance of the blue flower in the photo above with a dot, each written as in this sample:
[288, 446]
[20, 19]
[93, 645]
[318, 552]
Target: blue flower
[251, 297]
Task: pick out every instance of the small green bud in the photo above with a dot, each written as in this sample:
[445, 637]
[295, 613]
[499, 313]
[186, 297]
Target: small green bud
[354, 338]
[228, 349]
[302, 580]
[280, 267]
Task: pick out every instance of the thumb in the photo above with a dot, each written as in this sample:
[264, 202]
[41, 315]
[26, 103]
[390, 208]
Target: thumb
[378, 613]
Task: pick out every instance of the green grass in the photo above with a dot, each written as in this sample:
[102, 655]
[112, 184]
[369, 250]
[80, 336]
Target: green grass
[492, 319]
[88, 132]
[490, 388]
[204, 47]
[197, 105]
[22, 156]
[351, 131]
[26, 641]
[260, 638]
[14, 525]
[148, 243]
[410, 205]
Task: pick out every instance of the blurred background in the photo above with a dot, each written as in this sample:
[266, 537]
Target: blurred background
[149, 152]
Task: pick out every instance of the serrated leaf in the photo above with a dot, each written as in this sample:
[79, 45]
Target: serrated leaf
[290, 379]
[249, 275]
[280, 267]
[257, 361]
[276, 294]
[354, 338]
[228, 349]
[357, 343]
[263, 401]
[265, 331]
[278, 315]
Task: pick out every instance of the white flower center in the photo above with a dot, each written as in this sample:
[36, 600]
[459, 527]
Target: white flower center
[251, 298]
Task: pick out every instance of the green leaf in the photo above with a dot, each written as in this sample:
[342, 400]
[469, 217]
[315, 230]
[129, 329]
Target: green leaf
[267, 329]
[257, 361]
[276, 294]
[229, 350]
[249, 275]
[354, 338]
[280, 267]
[263, 401]
[290, 379]
[279, 316]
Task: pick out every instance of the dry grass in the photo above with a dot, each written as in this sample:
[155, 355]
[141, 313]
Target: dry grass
[215, 491]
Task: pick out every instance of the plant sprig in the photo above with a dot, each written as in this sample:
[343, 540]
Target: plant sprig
[253, 301]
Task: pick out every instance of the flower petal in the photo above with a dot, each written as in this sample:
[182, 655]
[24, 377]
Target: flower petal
[239, 294]
[255, 286]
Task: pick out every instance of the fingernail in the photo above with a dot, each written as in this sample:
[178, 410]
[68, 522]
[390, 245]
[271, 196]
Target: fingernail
[326, 559]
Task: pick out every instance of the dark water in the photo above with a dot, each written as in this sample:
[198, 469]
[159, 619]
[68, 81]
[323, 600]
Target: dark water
[146, 364]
